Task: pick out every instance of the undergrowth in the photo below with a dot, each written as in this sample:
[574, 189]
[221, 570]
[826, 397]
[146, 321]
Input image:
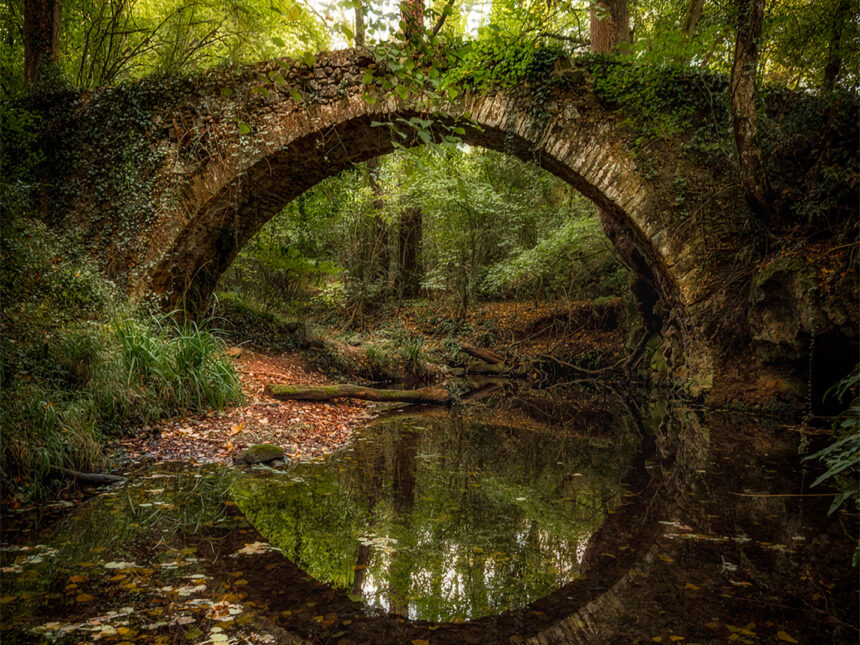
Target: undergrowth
[79, 364]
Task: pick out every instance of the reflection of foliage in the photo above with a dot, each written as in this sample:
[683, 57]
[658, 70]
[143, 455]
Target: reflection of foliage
[443, 519]
[842, 457]
[143, 527]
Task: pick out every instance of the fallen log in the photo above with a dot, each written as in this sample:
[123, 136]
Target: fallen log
[486, 355]
[480, 367]
[331, 392]
[94, 479]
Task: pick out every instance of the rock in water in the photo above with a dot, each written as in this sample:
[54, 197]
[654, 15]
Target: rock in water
[259, 454]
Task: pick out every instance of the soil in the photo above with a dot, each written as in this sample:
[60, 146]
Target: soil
[303, 429]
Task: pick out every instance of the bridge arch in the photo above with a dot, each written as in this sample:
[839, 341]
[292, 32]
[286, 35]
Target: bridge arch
[233, 147]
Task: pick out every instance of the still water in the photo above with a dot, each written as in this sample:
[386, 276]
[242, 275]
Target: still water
[529, 517]
[444, 518]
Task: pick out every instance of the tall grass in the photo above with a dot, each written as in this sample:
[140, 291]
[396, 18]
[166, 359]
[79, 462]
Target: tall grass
[78, 364]
[102, 379]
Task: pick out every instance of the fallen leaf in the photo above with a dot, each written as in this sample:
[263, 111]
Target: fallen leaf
[784, 637]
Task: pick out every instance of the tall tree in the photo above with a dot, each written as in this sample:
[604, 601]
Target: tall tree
[691, 19]
[753, 176]
[841, 17]
[359, 23]
[410, 234]
[41, 36]
[610, 25]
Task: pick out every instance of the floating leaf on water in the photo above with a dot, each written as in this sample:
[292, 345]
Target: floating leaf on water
[785, 637]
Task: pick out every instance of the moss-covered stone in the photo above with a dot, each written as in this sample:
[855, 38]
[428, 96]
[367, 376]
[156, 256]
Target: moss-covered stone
[259, 454]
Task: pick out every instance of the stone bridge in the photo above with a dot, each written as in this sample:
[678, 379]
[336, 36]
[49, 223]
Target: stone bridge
[205, 162]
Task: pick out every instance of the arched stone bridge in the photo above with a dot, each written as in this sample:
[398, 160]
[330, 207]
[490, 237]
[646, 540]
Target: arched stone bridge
[203, 188]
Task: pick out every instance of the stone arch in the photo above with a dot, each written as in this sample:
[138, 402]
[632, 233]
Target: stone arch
[216, 183]
[226, 198]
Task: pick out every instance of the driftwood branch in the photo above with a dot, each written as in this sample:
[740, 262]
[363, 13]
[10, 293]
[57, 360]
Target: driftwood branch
[438, 395]
[623, 364]
[486, 355]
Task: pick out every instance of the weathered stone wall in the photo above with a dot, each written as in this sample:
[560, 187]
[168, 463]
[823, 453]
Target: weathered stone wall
[208, 187]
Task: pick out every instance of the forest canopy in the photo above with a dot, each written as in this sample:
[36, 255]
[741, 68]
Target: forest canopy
[806, 45]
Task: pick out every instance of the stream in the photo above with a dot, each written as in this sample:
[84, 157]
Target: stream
[555, 516]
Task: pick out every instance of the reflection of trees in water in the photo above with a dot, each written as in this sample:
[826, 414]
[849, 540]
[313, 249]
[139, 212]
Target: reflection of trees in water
[440, 518]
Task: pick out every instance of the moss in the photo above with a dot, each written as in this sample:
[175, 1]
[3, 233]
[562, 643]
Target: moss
[260, 453]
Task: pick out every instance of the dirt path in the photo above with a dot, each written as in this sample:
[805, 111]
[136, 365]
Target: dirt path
[303, 429]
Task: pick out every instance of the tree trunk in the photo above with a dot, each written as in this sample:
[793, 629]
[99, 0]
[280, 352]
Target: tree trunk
[359, 23]
[841, 16]
[691, 20]
[610, 26]
[753, 177]
[41, 36]
[331, 392]
[380, 267]
[410, 235]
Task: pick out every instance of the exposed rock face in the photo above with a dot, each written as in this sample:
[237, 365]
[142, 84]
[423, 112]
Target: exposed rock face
[229, 149]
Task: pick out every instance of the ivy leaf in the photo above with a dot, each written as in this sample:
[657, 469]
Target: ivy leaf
[297, 96]
[244, 128]
[294, 13]
[278, 42]
[309, 59]
[368, 77]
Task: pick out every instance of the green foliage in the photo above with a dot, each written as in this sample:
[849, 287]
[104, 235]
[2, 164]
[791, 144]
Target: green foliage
[21, 154]
[661, 99]
[105, 43]
[492, 227]
[842, 457]
[76, 368]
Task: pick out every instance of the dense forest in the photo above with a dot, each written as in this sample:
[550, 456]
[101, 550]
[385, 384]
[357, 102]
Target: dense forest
[561, 228]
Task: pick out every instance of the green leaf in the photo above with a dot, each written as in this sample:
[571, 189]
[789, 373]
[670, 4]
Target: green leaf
[368, 77]
[244, 128]
[278, 42]
[309, 59]
[297, 96]
[294, 13]
[227, 92]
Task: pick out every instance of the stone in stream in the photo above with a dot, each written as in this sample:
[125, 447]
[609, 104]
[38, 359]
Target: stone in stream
[260, 453]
